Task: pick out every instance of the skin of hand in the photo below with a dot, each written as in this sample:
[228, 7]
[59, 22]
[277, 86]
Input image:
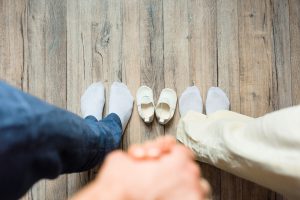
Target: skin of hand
[156, 148]
[152, 149]
[171, 176]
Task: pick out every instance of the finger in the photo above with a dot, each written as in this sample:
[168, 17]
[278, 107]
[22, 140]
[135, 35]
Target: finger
[206, 189]
[165, 143]
[152, 149]
[137, 151]
[159, 147]
[149, 150]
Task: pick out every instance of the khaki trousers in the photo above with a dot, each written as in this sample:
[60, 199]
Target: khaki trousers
[265, 150]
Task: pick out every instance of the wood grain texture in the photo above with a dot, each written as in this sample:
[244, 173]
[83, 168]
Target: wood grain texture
[294, 8]
[229, 77]
[255, 59]
[281, 94]
[151, 57]
[282, 71]
[78, 68]
[176, 51]
[56, 71]
[202, 26]
[250, 48]
[36, 67]
[11, 42]
[131, 51]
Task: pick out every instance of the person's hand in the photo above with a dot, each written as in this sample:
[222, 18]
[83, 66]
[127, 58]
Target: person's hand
[157, 148]
[152, 149]
[172, 176]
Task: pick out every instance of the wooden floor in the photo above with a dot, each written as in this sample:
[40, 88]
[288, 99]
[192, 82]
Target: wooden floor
[251, 48]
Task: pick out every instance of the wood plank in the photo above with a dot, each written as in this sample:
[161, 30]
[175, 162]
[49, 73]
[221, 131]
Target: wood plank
[176, 51]
[228, 52]
[47, 70]
[203, 44]
[13, 28]
[36, 50]
[203, 63]
[106, 47]
[78, 69]
[107, 42]
[255, 56]
[294, 8]
[56, 75]
[151, 58]
[281, 82]
[255, 46]
[11, 42]
[294, 28]
[228, 77]
[281, 94]
[131, 65]
[36, 67]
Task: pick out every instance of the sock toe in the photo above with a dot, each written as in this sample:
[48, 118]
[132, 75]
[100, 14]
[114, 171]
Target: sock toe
[93, 100]
[216, 100]
[121, 102]
[190, 100]
[122, 87]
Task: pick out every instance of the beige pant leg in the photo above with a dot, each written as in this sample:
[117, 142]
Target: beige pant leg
[264, 150]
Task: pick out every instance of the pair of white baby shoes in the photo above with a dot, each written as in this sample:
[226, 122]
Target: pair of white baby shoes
[164, 109]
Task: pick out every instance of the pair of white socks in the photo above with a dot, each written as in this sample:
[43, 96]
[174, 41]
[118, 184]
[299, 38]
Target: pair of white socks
[191, 100]
[120, 101]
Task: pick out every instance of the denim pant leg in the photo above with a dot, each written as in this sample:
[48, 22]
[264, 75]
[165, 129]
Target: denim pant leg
[39, 140]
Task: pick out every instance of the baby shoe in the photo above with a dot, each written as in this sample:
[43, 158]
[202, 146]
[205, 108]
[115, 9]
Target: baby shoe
[166, 105]
[145, 103]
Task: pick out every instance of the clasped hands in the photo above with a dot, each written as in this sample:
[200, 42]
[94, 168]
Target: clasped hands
[159, 169]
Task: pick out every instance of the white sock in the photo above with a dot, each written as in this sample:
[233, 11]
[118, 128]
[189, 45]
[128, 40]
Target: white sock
[216, 100]
[190, 100]
[121, 102]
[92, 101]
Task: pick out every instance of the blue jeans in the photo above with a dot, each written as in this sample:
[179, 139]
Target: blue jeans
[39, 140]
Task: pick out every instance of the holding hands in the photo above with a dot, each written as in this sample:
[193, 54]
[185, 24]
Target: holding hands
[159, 169]
[166, 147]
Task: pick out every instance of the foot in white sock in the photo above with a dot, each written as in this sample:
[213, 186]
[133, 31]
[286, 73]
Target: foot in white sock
[121, 102]
[216, 100]
[190, 100]
[92, 101]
